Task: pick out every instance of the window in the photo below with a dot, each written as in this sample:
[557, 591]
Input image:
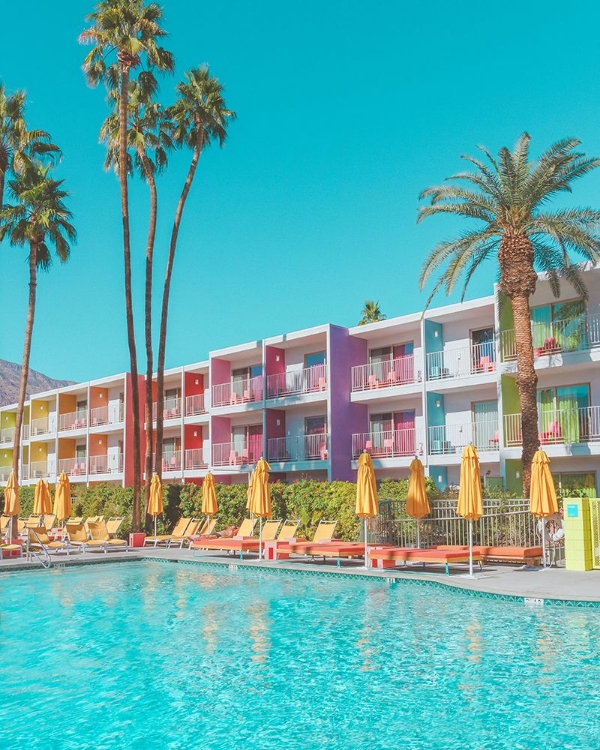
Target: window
[315, 359]
[563, 414]
[482, 350]
[559, 327]
[485, 425]
[315, 440]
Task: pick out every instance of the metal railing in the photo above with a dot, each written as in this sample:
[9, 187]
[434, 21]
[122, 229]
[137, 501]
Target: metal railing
[452, 438]
[557, 426]
[39, 470]
[43, 426]
[296, 382]
[171, 409]
[25, 472]
[559, 336]
[237, 453]
[73, 467]
[194, 459]
[111, 414]
[242, 391]
[476, 359]
[171, 460]
[194, 405]
[7, 435]
[5, 473]
[298, 448]
[388, 443]
[387, 374]
[504, 523]
[74, 420]
[25, 432]
[109, 463]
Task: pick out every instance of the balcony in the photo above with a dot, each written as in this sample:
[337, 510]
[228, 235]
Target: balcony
[194, 405]
[299, 448]
[25, 432]
[476, 359]
[73, 467]
[103, 415]
[559, 337]
[171, 461]
[451, 439]
[248, 390]
[111, 463]
[557, 427]
[171, 409]
[39, 470]
[297, 382]
[387, 443]
[5, 473]
[194, 459]
[42, 426]
[75, 420]
[387, 374]
[25, 472]
[7, 435]
[237, 453]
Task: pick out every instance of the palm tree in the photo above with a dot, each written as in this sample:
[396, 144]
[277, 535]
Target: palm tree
[508, 196]
[39, 218]
[371, 313]
[130, 29]
[17, 143]
[200, 117]
[149, 136]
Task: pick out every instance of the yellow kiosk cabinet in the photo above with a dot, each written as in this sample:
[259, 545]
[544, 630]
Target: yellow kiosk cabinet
[579, 553]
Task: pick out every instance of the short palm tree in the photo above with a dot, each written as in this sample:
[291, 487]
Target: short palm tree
[130, 29]
[508, 197]
[37, 217]
[371, 313]
[149, 137]
[200, 117]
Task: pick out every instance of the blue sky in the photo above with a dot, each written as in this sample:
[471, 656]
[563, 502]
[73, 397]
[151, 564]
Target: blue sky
[345, 112]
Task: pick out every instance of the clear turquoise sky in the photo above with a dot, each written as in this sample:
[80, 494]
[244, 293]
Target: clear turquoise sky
[346, 111]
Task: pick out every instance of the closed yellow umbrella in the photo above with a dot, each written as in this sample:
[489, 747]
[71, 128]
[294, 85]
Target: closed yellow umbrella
[470, 505]
[155, 502]
[417, 502]
[260, 497]
[367, 502]
[542, 495]
[62, 498]
[42, 500]
[209, 496]
[249, 492]
[12, 506]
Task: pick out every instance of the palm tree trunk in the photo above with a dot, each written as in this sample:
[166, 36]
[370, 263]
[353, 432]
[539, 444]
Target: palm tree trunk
[162, 341]
[26, 356]
[527, 384]
[148, 322]
[135, 393]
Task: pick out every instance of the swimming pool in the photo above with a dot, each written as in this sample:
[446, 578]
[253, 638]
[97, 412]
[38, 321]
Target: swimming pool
[150, 654]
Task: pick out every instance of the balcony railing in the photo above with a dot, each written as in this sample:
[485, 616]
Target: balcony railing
[460, 363]
[40, 469]
[7, 435]
[75, 420]
[194, 405]
[73, 467]
[387, 443]
[194, 459]
[243, 391]
[25, 432]
[558, 426]
[237, 453]
[295, 382]
[25, 472]
[450, 439]
[5, 473]
[43, 425]
[561, 336]
[171, 409]
[111, 463]
[400, 371]
[102, 415]
[299, 448]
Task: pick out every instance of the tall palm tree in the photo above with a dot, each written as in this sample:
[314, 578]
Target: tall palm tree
[149, 137]
[39, 218]
[129, 29]
[200, 117]
[508, 196]
[17, 142]
[371, 313]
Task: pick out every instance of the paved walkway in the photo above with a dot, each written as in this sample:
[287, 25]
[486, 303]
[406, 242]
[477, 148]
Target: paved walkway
[534, 583]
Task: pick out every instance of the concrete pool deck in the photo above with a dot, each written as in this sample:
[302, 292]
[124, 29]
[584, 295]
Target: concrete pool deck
[504, 580]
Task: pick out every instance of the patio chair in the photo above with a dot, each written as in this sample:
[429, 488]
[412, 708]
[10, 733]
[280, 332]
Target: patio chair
[179, 531]
[77, 534]
[288, 531]
[113, 524]
[101, 539]
[40, 541]
[49, 521]
[178, 540]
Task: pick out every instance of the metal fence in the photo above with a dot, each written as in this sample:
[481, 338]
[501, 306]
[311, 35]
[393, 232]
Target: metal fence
[504, 523]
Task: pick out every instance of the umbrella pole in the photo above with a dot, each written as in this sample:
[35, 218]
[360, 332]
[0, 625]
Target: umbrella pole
[260, 538]
[543, 543]
[155, 526]
[366, 546]
[418, 533]
[470, 547]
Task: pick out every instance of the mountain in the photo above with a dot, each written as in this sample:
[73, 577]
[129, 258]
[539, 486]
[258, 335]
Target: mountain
[10, 374]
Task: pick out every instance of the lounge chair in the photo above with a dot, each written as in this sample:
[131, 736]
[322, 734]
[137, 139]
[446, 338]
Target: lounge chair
[242, 542]
[524, 555]
[40, 541]
[178, 531]
[33, 522]
[204, 532]
[288, 531]
[390, 556]
[175, 540]
[10, 550]
[49, 521]
[323, 535]
[4, 525]
[78, 534]
[113, 524]
[75, 519]
[101, 539]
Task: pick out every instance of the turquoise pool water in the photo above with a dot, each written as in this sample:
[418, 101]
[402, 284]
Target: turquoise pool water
[145, 655]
